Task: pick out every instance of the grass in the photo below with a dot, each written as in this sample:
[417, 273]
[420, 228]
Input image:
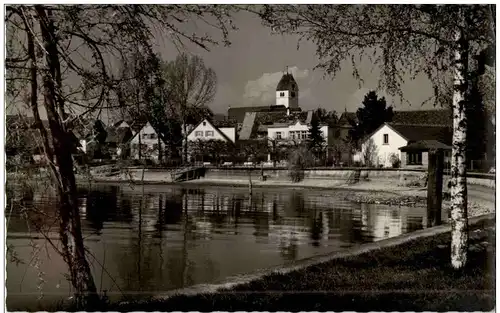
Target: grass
[416, 276]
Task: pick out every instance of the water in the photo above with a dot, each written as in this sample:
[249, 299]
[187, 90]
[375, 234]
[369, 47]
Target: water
[173, 237]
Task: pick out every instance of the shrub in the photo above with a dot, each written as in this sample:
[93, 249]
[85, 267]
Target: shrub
[299, 159]
[395, 161]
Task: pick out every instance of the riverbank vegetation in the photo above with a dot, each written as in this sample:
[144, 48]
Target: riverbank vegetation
[415, 276]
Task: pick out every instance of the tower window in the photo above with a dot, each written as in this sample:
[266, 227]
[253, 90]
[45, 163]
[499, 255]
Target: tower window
[293, 94]
[293, 86]
[282, 94]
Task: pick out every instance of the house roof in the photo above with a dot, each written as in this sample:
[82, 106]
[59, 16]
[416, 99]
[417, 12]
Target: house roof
[287, 82]
[346, 117]
[238, 113]
[224, 123]
[420, 132]
[425, 145]
[213, 126]
[423, 117]
[442, 117]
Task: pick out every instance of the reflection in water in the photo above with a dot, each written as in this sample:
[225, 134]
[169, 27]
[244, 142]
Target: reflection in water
[172, 237]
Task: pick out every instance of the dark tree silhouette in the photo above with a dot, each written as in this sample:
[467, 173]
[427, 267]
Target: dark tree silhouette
[371, 115]
[316, 141]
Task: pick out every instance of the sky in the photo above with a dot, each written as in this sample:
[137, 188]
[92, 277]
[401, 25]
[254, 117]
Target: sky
[249, 70]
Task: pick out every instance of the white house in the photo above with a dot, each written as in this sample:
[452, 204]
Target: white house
[296, 131]
[389, 139]
[147, 137]
[206, 130]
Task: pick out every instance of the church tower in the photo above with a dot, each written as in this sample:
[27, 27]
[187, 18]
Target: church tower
[287, 92]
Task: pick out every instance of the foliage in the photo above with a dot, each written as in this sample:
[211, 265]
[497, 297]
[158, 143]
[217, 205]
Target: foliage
[373, 32]
[369, 153]
[371, 115]
[191, 85]
[329, 118]
[480, 137]
[299, 159]
[316, 141]
[395, 161]
[450, 44]
[252, 150]
[68, 49]
[212, 150]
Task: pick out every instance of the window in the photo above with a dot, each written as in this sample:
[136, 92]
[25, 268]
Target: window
[386, 139]
[152, 136]
[293, 94]
[414, 158]
[198, 133]
[145, 136]
[209, 133]
[303, 134]
[204, 123]
[278, 135]
[292, 135]
[282, 94]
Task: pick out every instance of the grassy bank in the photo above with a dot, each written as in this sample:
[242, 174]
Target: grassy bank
[413, 276]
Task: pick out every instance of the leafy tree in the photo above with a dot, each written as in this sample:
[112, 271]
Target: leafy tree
[316, 141]
[299, 159]
[191, 86]
[326, 117]
[438, 41]
[369, 153]
[42, 46]
[371, 115]
[481, 139]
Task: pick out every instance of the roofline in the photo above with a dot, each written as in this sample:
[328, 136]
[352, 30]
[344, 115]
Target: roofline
[380, 127]
[215, 127]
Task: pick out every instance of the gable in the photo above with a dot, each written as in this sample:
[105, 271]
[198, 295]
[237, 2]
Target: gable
[386, 129]
[206, 130]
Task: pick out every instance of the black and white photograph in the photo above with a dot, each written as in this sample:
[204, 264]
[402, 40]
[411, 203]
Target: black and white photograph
[249, 157]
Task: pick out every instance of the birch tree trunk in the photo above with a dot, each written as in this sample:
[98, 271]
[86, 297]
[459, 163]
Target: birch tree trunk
[459, 222]
[70, 232]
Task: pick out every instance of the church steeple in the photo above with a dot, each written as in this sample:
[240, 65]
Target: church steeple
[287, 91]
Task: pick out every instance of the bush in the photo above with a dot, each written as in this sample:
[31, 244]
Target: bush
[299, 159]
[395, 161]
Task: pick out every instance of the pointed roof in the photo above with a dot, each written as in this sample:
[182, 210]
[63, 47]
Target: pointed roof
[414, 133]
[214, 127]
[287, 82]
[425, 145]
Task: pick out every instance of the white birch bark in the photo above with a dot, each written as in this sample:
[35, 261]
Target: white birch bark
[459, 223]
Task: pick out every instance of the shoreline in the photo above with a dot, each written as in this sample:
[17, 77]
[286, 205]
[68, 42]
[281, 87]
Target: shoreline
[233, 290]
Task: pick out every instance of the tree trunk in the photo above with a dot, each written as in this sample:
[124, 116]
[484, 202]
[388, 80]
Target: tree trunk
[160, 154]
[140, 145]
[184, 142]
[459, 222]
[434, 187]
[73, 250]
[249, 181]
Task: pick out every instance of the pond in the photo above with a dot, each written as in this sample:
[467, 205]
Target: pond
[145, 242]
